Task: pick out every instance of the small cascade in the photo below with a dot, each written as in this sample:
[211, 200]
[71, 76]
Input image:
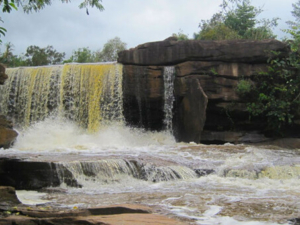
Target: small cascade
[281, 172]
[90, 94]
[113, 170]
[168, 97]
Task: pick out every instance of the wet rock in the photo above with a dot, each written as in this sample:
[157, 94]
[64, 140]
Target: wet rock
[204, 172]
[295, 221]
[289, 143]
[8, 196]
[214, 137]
[7, 134]
[143, 90]
[3, 76]
[27, 175]
[189, 111]
[118, 214]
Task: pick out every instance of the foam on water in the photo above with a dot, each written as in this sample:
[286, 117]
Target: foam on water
[59, 135]
[31, 197]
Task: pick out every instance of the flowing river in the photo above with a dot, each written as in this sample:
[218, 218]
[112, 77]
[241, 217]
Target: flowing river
[116, 164]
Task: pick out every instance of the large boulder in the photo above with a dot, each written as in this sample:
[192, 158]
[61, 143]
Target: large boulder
[171, 52]
[3, 76]
[189, 109]
[8, 196]
[19, 214]
[7, 134]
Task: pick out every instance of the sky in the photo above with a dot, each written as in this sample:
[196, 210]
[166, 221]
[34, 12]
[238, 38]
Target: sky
[67, 28]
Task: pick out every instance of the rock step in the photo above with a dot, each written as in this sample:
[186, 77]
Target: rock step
[13, 212]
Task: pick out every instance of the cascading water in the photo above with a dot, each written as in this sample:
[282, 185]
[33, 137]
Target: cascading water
[168, 97]
[71, 119]
[90, 94]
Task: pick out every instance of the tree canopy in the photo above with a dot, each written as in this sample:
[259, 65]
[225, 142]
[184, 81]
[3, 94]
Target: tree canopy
[237, 19]
[109, 52]
[37, 56]
[274, 95]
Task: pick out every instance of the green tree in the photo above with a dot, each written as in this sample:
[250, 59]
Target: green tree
[9, 59]
[110, 50]
[82, 55]
[237, 19]
[296, 14]
[7, 56]
[274, 96]
[242, 17]
[181, 36]
[36, 56]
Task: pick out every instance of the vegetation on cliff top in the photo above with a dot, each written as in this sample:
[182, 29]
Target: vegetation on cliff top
[274, 96]
[37, 56]
[237, 19]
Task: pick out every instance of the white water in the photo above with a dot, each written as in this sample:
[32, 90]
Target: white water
[250, 185]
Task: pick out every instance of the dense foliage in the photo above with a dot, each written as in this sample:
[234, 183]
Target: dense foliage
[109, 52]
[274, 95]
[37, 56]
[237, 19]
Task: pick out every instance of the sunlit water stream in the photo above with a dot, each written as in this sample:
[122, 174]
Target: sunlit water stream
[199, 184]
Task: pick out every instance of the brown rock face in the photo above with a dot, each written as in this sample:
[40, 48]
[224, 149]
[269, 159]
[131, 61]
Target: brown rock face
[143, 91]
[8, 196]
[3, 76]
[205, 81]
[189, 110]
[116, 215]
[171, 52]
[7, 134]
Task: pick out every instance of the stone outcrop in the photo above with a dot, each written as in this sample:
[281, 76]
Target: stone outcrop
[3, 76]
[206, 75]
[35, 175]
[171, 52]
[8, 196]
[12, 211]
[7, 134]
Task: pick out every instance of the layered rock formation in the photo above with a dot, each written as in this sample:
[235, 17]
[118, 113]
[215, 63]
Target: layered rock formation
[7, 134]
[207, 73]
[3, 76]
[12, 211]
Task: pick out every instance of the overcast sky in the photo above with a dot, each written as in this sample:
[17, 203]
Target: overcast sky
[67, 28]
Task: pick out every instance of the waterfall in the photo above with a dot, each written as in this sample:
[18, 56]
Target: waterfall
[30, 94]
[168, 97]
[90, 94]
